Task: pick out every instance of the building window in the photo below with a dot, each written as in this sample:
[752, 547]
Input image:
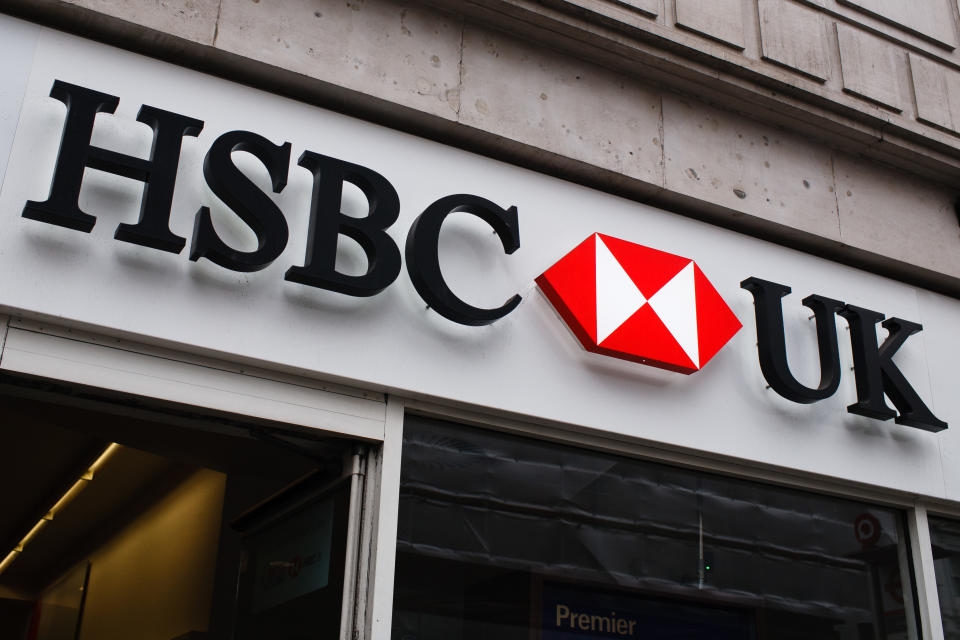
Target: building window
[945, 538]
[512, 538]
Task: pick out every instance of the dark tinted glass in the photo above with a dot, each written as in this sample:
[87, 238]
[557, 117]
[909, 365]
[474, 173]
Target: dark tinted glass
[504, 537]
[945, 537]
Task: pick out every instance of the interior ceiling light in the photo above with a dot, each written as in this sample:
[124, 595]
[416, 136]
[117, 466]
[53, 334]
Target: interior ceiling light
[60, 504]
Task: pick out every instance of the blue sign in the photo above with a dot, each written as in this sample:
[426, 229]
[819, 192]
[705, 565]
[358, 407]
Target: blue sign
[578, 613]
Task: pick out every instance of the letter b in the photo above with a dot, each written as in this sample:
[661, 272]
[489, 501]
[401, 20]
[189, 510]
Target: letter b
[327, 223]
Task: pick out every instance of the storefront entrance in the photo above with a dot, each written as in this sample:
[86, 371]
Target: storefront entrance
[125, 521]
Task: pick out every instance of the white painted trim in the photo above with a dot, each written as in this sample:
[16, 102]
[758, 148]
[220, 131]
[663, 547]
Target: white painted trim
[638, 448]
[353, 551]
[928, 602]
[189, 355]
[942, 508]
[4, 322]
[905, 563]
[368, 553]
[171, 377]
[380, 607]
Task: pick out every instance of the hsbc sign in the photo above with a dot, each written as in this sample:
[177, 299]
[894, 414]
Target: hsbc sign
[618, 298]
[637, 303]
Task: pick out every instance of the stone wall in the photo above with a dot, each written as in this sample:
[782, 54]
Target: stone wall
[829, 125]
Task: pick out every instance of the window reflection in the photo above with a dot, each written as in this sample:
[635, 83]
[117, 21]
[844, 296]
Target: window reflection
[945, 537]
[507, 537]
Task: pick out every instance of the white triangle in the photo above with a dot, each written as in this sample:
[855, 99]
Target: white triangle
[676, 305]
[618, 297]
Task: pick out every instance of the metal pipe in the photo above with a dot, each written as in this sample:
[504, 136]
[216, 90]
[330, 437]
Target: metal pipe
[352, 547]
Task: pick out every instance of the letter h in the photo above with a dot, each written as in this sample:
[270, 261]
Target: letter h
[158, 172]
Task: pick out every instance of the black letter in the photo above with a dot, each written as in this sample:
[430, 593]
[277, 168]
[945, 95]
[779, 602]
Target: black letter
[243, 197]
[772, 347]
[878, 375]
[327, 222]
[423, 261]
[159, 172]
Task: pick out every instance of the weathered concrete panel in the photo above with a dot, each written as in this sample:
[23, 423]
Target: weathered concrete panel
[194, 20]
[871, 67]
[651, 7]
[727, 160]
[930, 18]
[795, 37]
[630, 13]
[897, 215]
[647, 7]
[399, 52]
[566, 106]
[718, 19]
[938, 93]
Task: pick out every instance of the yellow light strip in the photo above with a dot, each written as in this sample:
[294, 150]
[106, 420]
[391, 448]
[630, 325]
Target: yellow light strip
[8, 560]
[67, 497]
[60, 504]
[32, 534]
[99, 462]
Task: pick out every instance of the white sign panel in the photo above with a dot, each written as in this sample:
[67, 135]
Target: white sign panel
[19, 40]
[528, 363]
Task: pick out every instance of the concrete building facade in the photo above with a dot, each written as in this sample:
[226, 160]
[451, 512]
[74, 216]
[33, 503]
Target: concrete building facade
[810, 142]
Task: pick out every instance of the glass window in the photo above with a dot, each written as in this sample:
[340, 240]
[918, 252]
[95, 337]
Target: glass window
[945, 538]
[166, 526]
[511, 538]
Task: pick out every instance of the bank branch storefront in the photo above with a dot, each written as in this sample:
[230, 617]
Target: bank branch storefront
[269, 371]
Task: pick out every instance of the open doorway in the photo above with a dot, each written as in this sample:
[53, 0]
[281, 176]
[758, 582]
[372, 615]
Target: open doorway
[120, 521]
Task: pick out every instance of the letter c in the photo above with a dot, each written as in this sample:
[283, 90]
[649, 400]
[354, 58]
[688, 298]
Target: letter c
[423, 260]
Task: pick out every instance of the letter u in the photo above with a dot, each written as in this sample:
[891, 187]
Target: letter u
[772, 348]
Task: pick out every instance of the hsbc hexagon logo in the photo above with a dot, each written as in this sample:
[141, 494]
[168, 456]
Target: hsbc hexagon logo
[636, 303]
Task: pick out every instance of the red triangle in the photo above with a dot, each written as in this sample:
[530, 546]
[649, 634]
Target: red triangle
[644, 338]
[716, 323]
[571, 286]
[649, 269]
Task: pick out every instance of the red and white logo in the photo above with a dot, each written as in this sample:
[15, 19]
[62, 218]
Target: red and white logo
[629, 301]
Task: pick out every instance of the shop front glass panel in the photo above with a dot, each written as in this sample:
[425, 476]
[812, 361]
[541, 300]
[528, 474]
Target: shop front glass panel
[511, 538]
[115, 527]
[945, 538]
